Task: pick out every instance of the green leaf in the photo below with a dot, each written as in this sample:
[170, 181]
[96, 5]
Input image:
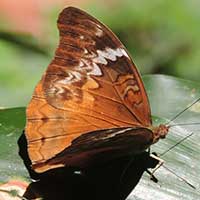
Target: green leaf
[168, 96]
[12, 122]
[23, 41]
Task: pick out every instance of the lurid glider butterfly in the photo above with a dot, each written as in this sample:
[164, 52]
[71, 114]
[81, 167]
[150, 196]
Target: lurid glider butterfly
[90, 105]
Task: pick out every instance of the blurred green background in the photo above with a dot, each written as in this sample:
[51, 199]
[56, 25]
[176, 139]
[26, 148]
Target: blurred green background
[162, 37]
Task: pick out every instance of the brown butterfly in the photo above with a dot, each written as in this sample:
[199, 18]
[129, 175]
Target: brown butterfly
[90, 105]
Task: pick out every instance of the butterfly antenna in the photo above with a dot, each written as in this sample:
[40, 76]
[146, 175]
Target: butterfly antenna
[154, 179]
[175, 117]
[162, 154]
[186, 124]
[181, 178]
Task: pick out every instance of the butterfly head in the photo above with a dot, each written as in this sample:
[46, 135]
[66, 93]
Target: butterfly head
[160, 132]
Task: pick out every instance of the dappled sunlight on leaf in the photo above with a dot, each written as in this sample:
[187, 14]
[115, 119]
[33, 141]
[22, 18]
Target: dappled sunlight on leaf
[13, 190]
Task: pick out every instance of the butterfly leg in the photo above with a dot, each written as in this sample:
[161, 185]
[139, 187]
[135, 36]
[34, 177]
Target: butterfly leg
[160, 163]
[153, 178]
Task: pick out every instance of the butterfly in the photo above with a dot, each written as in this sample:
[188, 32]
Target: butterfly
[90, 105]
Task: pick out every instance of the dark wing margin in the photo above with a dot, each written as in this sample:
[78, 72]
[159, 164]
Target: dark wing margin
[99, 147]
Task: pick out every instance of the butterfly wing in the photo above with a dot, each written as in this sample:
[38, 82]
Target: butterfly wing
[99, 147]
[91, 84]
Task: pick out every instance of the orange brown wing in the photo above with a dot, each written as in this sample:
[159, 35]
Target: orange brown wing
[91, 84]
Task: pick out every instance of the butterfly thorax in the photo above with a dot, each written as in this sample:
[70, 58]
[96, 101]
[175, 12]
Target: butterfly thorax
[159, 132]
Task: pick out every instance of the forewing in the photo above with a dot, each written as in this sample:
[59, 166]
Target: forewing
[91, 84]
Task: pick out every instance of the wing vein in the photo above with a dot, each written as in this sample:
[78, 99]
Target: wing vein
[137, 118]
